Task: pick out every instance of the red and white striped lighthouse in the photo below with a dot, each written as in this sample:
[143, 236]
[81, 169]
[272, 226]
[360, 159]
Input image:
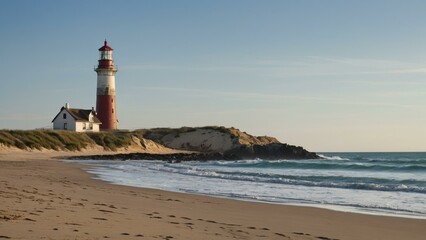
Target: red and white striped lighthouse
[105, 94]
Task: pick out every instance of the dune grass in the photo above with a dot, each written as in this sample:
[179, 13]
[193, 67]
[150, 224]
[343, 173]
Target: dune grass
[74, 141]
[157, 134]
[64, 140]
[112, 140]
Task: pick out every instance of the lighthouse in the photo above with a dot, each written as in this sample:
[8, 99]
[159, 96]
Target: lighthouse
[105, 92]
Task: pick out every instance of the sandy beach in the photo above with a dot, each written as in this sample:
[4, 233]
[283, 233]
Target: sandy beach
[44, 198]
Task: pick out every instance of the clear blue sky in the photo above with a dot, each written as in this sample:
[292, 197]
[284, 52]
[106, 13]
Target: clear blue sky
[327, 75]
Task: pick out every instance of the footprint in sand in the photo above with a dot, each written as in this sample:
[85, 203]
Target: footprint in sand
[73, 224]
[100, 204]
[231, 224]
[105, 211]
[300, 233]
[189, 225]
[280, 234]
[326, 238]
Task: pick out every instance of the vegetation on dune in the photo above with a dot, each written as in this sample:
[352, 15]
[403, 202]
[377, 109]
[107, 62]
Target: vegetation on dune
[242, 146]
[112, 140]
[157, 134]
[64, 140]
[68, 140]
[163, 136]
[73, 141]
[165, 131]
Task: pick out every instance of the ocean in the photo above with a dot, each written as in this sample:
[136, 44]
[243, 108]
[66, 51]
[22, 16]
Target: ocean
[370, 183]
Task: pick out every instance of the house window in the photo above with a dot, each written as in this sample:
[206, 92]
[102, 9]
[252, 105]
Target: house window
[91, 125]
[64, 116]
[65, 126]
[84, 126]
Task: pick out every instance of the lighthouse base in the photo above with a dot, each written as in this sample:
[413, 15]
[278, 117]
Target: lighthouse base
[106, 112]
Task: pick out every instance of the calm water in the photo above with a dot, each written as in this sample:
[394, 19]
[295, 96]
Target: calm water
[373, 183]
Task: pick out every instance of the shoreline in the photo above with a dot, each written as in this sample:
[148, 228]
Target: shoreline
[98, 171]
[330, 207]
[38, 202]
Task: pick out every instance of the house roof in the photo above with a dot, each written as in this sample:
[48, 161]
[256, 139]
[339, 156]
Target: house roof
[80, 115]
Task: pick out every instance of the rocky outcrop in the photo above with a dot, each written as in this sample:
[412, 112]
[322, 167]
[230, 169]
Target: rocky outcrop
[229, 143]
[268, 152]
[205, 139]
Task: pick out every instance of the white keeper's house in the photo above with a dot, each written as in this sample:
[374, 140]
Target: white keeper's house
[78, 120]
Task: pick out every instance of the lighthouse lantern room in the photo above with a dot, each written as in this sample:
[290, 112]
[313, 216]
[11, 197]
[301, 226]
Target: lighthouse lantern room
[105, 93]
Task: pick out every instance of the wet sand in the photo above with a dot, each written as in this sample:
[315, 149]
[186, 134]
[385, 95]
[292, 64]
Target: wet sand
[50, 199]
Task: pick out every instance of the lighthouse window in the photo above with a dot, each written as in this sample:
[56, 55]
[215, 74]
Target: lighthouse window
[106, 55]
[113, 110]
[65, 116]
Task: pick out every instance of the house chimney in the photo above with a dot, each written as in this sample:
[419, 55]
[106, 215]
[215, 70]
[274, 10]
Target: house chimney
[67, 105]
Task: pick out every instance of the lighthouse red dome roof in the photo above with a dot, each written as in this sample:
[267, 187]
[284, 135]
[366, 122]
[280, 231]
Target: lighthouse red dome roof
[105, 47]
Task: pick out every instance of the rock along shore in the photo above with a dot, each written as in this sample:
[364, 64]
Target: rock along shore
[267, 152]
